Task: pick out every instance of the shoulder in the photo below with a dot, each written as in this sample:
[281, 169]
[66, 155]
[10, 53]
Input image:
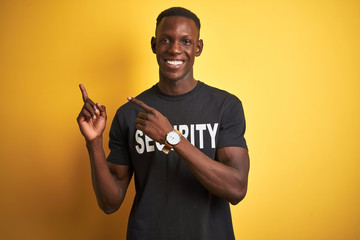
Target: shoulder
[227, 98]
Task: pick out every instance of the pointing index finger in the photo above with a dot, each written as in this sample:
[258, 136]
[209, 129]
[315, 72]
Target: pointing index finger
[83, 92]
[140, 104]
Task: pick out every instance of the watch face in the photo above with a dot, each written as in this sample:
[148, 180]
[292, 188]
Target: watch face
[173, 138]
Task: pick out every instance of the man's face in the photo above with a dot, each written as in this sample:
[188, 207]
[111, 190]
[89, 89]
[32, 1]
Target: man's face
[176, 45]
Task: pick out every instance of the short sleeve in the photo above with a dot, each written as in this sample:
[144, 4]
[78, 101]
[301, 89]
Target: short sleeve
[232, 125]
[118, 144]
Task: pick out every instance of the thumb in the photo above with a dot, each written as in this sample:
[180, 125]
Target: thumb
[102, 110]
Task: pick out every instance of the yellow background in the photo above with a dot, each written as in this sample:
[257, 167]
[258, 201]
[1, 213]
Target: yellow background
[294, 64]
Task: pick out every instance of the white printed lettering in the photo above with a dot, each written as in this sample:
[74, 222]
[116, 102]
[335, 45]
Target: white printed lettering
[195, 133]
[149, 148]
[140, 141]
[184, 130]
[212, 132]
[192, 135]
[201, 128]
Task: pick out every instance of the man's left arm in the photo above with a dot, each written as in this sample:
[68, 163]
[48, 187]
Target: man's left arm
[226, 178]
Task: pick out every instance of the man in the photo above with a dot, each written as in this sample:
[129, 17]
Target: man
[182, 139]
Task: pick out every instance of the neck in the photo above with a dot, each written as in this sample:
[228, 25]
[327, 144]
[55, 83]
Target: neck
[176, 87]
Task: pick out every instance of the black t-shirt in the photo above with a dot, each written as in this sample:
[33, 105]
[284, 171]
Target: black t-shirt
[170, 203]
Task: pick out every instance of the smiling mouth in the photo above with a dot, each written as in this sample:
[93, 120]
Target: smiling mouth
[174, 63]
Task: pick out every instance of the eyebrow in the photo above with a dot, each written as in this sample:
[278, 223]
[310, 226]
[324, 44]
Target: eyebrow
[168, 35]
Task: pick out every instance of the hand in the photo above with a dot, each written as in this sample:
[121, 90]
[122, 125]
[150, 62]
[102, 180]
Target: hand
[92, 117]
[151, 122]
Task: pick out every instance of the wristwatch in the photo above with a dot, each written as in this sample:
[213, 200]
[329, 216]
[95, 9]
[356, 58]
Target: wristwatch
[172, 138]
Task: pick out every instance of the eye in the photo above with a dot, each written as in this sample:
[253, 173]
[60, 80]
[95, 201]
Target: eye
[187, 42]
[164, 41]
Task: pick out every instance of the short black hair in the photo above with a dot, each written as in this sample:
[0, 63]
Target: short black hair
[178, 11]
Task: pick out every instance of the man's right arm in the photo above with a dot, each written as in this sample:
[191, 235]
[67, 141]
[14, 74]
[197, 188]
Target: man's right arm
[109, 181]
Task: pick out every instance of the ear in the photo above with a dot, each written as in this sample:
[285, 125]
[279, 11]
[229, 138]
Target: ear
[153, 44]
[199, 47]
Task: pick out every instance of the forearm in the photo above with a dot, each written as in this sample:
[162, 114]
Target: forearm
[221, 180]
[107, 190]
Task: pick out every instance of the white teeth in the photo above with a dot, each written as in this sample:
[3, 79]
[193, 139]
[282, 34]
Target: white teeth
[175, 63]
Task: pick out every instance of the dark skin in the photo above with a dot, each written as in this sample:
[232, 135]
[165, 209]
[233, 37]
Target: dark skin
[177, 38]
[176, 45]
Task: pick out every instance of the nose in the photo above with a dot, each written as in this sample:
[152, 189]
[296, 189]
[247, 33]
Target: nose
[175, 48]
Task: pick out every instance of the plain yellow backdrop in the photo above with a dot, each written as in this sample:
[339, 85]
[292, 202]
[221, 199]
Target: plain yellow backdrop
[294, 64]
